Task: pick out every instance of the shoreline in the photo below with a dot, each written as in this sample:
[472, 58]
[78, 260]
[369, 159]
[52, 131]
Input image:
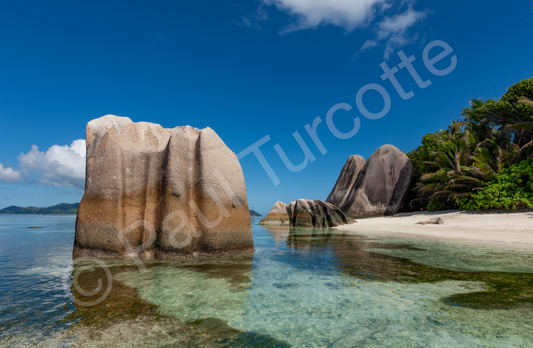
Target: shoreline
[514, 228]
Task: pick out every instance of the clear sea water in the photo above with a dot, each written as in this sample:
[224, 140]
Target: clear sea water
[300, 288]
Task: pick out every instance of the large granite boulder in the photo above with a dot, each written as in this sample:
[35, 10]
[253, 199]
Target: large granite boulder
[381, 186]
[354, 164]
[161, 193]
[308, 213]
[277, 215]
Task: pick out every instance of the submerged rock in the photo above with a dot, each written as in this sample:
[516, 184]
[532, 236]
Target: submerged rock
[159, 192]
[308, 213]
[381, 185]
[277, 215]
[354, 164]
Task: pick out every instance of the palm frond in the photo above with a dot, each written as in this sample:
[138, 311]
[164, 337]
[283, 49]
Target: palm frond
[524, 100]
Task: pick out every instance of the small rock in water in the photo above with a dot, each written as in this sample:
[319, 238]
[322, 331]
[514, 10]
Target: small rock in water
[308, 213]
[277, 215]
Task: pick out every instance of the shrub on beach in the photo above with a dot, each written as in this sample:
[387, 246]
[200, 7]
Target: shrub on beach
[512, 188]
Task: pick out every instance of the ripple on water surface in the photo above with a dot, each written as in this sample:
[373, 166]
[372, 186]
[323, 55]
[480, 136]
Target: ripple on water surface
[302, 287]
[323, 288]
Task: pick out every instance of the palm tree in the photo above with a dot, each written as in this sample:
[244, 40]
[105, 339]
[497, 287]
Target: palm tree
[512, 116]
[527, 125]
[492, 136]
[524, 100]
[490, 159]
[475, 120]
[471, 113]
[455, 177]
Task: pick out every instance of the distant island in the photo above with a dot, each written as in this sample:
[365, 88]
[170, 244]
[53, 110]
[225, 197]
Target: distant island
[60, 209]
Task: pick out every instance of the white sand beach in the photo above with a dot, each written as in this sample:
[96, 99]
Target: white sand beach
[515, 228]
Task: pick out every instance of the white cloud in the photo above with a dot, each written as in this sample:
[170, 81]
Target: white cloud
[252, 20]
[399, 23]
[394, 30]
[9, 174]
[369, 44]
[347, 14]
[60, 166]
[390, 20]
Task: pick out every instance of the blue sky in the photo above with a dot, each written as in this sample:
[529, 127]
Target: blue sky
[246, 69]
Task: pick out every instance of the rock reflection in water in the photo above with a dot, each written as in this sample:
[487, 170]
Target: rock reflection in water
[199, 290]
[125, 319]
[353, 253]
[312, 287]
[278, 232]
[354, 256]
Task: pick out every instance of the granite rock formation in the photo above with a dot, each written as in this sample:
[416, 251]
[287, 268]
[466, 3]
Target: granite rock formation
[308, 213]
[160, 193]
[354, 164]
[277, 215]
[381, 186]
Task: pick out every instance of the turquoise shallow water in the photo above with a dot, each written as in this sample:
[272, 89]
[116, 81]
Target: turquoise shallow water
[301, 288]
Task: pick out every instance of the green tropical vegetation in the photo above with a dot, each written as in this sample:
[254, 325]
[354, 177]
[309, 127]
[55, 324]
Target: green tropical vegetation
[482, 160]
[60, 209]
[512, 188]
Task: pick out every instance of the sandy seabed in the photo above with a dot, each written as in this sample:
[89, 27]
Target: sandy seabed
[508, 227]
